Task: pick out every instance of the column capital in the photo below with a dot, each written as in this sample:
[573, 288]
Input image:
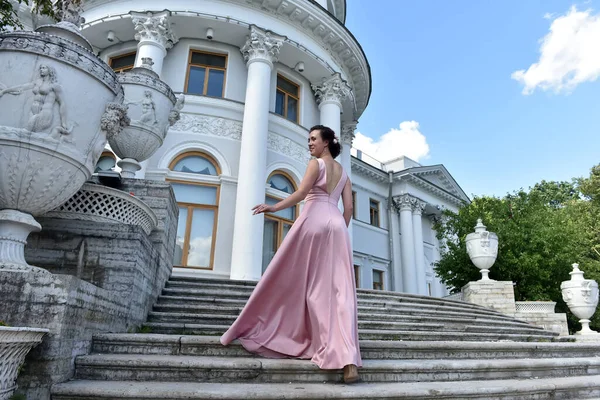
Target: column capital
[347, 134]
[154, 28]
[262, 46]
[332, 90]
[404, 202]
[418, 206]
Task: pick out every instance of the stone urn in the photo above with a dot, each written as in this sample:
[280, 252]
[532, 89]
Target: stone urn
[581, 295]
[58, 105]
[482, 247]
[153, 108]
[15, 343]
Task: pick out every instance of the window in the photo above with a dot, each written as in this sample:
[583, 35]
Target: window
[198, 207]
[353, 204]
[374, 212]
[206, 74]
[357, 276]
[106, 162]
[377, 280]
[278, 224]
[122, 63]
[429, 288]
[287, 99]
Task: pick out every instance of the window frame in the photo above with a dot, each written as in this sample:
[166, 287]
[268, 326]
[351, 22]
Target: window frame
[122, 69]
[280, 220]
[207, 72]
[285, 99]
[192, 206]
[381, 276]
[354, 204]
[357, 275]
[377, 210]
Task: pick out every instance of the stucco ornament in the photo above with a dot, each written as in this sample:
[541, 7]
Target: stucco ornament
[49, 136]
[581, 295]
[262, 45]
[332, 90]
[154, 27]
[152, 109]
[482, 247]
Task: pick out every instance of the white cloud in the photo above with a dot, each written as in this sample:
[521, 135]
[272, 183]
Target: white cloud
[406, 141]
[568, 54]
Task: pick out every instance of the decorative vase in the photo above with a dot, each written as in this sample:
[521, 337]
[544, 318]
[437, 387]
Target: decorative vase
[15, 343]
[58, 104]
[482, 247]
[153, 108]
[581, 295]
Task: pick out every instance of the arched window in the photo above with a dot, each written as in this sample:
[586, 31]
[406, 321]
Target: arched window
[198, 206]
[278, 224]
[106, 162]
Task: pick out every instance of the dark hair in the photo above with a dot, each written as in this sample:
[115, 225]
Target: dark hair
[327, 134]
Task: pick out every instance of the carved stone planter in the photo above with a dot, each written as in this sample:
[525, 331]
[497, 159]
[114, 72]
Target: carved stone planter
[153, 108]
[58, 104]
[15, 343]
[581, 295]
[482, 247]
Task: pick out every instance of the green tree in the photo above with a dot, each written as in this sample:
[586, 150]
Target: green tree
[8, 11]
[541, 233]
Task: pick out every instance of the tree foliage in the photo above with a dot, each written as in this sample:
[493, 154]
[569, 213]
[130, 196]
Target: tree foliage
[541, 232]
[8, 11]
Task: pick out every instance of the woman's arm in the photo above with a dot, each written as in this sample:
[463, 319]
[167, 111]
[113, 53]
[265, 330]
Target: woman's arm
[347, 201]
[17, 89]
[311, 175]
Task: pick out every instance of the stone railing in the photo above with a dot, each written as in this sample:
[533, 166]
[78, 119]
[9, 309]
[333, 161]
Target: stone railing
[542, 307]
[104, 204]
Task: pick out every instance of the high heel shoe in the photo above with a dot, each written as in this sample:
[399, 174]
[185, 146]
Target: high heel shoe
[351, 374]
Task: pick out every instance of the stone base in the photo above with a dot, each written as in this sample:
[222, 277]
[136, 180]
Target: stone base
[556, 322]
[497, 295]
[584, 338]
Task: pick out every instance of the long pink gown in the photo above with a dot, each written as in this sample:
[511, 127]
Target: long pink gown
[305, 304]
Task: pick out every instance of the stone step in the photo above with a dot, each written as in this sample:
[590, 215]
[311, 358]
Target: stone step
[116, 343]
[382, 313]
[217, 330]
[579, 388]
[247, 289]
[143, 367]
[363, 323]
[375, 298]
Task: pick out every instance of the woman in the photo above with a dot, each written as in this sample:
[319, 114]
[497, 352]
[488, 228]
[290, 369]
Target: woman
[305, 304]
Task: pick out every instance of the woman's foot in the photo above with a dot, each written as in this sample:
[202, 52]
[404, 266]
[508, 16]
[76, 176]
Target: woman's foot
[350, 373]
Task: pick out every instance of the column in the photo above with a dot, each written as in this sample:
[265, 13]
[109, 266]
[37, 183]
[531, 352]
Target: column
[346, 138]
[260, 52]
[155, 36]
[330, 95]
[438, 286]
[407, 245]
[417, 213]
[395, 245]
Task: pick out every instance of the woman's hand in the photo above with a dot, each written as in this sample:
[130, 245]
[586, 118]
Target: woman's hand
[263, 208]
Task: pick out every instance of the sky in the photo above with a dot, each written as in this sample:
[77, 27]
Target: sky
[503, 93]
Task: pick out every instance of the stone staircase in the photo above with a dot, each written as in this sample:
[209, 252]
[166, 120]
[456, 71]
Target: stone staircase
[413, 347]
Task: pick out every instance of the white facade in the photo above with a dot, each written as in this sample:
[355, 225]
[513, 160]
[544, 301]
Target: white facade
[256, 75]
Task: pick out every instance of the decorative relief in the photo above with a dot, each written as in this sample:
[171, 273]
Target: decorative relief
[154, 27]
[150, 79]
[418, 206]
[288, 147]
[332, 89]
[70, 11]
[114, 119]
[404, 202]
[148, 116]
[64, 51]
[46, 93]
[262, 45]
[348, 130]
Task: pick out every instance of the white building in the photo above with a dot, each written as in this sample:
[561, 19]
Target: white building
[257, 74]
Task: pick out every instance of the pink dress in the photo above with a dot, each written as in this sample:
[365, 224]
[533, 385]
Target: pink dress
[305, 304]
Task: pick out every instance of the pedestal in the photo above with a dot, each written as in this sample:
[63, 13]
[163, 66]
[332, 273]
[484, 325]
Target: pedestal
[15, 226]
[497, 295]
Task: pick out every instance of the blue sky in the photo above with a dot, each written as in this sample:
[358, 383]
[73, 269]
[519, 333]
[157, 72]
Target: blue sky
[444, 69]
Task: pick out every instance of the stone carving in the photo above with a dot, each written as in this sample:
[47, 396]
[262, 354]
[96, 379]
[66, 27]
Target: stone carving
[175, 113]
[348, 129]
[70, 11]
[148, 116]
[482, 247]
[581, 295]
[262, 45]
[154, 27]
[288, 147]
[47, 94]
[404, 202]
[333, 89]
[418, 206]
[61, 50]
[114, 119]
[15, 343]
